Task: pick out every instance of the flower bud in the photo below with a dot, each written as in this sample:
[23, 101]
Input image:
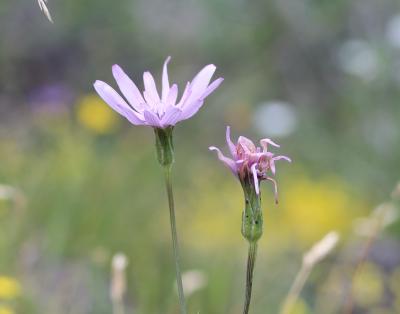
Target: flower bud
[252, 218]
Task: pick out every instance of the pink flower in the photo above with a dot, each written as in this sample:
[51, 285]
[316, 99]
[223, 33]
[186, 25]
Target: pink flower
[251, 161]
[152, 109]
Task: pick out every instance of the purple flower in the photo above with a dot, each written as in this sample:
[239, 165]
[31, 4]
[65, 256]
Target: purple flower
[151, 108]
[251, 161]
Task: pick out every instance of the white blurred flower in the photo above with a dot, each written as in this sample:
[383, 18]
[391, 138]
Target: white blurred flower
[321, 249]
[7, 192]
[193, 281]
[382, 216]
[275, 119]
[356, 57]
[118, 279]
[393, 31]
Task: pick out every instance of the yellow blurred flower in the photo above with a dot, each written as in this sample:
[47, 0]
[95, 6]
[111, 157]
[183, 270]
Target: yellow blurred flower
[95, 115]
[368, 285]
[300, 307]
[6, 310]
[9, 288]
[311, 208]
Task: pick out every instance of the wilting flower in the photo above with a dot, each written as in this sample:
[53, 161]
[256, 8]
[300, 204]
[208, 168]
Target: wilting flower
[251, 161]
[152, 109]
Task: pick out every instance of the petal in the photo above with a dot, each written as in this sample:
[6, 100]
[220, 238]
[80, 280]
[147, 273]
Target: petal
[255, 177]
[247, 145]
[128, 88]
[282, 157]
[171, 116]
[232, 147]
[272, 162]
[272, 166]
[150, 86]
[200, 83]
[172, 95]
[185, 95]
[152, 119]
[190, 110]
[227, 161]
[212, 87]
[165, 81]
[115, 101]
[275, 189]
[264, 143]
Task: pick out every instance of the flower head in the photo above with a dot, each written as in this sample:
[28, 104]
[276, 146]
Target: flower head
[151, 108]
[251, 161]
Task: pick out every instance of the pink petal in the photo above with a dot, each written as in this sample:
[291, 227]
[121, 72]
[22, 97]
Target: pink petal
[275, 189]
[165, 81]
[255, 177]
[172, 95]
[247, 145]
[282, 157]
[200, 83]
[128, 88]
[232, 147]
[116, 102]
[264, 143]
[150, 86]
[212, 87]
[272, 166]
[152, 119]
[227, 161]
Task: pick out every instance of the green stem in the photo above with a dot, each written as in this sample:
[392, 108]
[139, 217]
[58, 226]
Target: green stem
[251, 260]
[174, 234]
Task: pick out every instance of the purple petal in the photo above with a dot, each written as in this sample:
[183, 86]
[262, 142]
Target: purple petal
[165, 81]
[200, 83]
[255, 177]
[232, 147]
[150, 86]
[152, 119]
[212, 87]
[172, 95]
[171, 116]
[115, 101]
[227, 161]
[190, 110]
[151, 102]
[128, 88]
[185, 95]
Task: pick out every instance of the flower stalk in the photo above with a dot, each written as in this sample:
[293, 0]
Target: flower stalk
[252, 229]
[251, 260]
[165, 156]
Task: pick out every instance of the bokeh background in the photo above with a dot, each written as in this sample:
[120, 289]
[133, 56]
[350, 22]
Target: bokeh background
[79, 184]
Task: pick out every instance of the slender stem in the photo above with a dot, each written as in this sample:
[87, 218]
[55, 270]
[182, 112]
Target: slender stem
[168, 185]
[251, 260]
[296, 288]
[118, 307]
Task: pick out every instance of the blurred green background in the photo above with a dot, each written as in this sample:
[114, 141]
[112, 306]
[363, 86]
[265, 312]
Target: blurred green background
[79, 184]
